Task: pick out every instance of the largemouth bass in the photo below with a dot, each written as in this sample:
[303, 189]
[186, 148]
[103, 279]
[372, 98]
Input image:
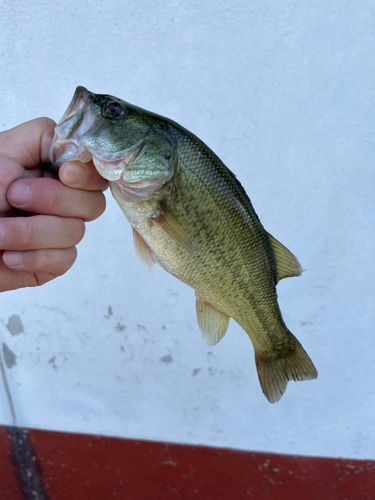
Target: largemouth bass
[190, 214]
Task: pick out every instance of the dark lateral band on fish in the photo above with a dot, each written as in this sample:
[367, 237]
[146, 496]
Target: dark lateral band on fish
[190, 214]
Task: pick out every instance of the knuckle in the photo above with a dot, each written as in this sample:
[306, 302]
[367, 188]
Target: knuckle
[45, 196]
[41, 278]
[54, 194]
[54, 262]
[36, 260]
[25, 232]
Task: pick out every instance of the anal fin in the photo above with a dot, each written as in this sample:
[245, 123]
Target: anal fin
[212, 323]
[144, 252]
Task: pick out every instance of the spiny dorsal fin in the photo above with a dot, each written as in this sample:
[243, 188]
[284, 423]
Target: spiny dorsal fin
[287, 264]
[212, 323]
[173, 227]
[144, 252]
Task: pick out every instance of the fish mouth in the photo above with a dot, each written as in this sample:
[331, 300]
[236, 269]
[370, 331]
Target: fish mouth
[78, 119]
[71, 141]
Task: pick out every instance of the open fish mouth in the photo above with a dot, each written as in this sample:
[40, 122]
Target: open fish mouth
[71, 141]
[73, 138]
[78, 119]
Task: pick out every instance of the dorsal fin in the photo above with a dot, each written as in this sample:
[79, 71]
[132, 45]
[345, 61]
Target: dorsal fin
[287, 264]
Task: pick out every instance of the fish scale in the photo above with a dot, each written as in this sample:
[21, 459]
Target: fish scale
[239, 268]
[191, 215]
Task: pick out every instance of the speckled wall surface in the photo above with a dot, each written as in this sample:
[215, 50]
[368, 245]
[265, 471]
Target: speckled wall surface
[283, 92]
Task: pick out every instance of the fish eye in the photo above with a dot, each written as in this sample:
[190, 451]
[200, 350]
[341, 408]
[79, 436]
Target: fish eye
[113, 110]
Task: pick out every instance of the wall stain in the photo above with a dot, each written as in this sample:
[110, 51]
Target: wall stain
[51, 362]
[15, 325]
[166, 359]
[306, 323]
[9, 356]
[109, 313]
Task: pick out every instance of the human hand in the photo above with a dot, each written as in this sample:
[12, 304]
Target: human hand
[41, 218]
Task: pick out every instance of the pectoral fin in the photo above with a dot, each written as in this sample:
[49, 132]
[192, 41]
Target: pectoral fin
[213, 324]
[287, 264]
[172, 226]
[144, 252]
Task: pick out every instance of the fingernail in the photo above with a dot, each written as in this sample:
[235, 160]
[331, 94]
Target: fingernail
[1, 233]
[19, 193]
[74, 174]
[13, 259]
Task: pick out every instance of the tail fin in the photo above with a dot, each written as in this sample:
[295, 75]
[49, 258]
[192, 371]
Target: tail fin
[274, 371]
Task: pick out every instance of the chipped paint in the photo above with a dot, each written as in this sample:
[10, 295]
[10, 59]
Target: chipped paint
[166, 359]
[15, 325]
[9, 356]
[109, 312]
[51, 362]
[28, 470]
[120, 327]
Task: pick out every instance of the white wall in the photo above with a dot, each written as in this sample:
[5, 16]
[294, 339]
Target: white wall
[283, 92]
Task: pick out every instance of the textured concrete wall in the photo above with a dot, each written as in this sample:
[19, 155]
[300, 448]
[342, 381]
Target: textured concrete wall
[283, 92]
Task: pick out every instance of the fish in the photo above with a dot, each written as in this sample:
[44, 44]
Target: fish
[190, 214]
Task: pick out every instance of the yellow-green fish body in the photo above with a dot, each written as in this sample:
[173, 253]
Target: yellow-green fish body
[191, 215]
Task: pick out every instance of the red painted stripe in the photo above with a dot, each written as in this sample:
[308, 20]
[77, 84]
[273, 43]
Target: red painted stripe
[99, 468]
